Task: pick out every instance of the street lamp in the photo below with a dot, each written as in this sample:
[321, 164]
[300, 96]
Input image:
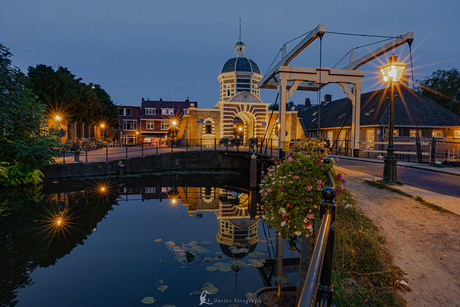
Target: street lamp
[174, 127]
[391, 73]
[103, 132]
[57, 118]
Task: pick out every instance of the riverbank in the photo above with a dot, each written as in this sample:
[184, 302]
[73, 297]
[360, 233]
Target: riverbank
[424, 243]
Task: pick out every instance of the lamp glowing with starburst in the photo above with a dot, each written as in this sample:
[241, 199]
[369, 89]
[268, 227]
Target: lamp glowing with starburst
[391, 73]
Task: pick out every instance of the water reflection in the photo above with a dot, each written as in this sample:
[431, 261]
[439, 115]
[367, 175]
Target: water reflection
[48, 222]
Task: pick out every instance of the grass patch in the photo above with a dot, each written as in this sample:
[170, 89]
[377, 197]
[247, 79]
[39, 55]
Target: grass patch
[364, 273]
[385, 186]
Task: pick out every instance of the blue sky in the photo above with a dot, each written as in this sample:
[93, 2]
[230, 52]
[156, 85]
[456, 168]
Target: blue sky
[173, 49]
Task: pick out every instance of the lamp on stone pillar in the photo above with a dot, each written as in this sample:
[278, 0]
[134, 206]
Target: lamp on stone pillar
[103, 132]
[391, 73]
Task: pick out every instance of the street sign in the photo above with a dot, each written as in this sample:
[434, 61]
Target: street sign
[286, 145]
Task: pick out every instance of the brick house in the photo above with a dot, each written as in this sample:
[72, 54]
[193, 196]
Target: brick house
[410, 110]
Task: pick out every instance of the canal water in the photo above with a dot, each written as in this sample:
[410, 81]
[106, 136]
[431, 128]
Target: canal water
[171, 240]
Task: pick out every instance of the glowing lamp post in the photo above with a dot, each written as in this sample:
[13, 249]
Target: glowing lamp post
[103, 132]
[57, 118]
[391, 73]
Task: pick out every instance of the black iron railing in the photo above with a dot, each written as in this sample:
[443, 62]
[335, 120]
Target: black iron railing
[318, 284]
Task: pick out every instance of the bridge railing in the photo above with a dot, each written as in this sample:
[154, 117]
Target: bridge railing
[125, 151]
[318, 284]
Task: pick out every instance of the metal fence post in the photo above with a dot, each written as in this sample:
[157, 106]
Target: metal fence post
[86, 156]
[186, 145]
[201, 144]
[172, 145]
[106, 153]
[156, 147]
[433, 151]
[126, 146]
[142, 148]
[63, 158]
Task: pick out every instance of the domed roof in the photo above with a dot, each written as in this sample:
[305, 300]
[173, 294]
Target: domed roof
[240, 62]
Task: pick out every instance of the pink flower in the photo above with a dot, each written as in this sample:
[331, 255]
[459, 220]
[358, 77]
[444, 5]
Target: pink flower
[337, 159]
[310, 216]
[265, 194]
[281, 190]
[308, 188]
[344, 181]
[286, 219]
[262, 172]
[269, 190]
[307, 224]
[295, 177]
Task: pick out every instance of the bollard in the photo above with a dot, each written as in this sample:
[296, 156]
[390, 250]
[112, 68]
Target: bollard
[253, 172]
[63, 158]
[77, 156]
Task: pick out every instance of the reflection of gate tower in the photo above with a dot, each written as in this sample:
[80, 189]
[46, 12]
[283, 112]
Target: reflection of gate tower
[235, 225]
[239, 95]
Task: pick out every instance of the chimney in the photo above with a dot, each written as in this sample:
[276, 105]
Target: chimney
[187, 100]
[142, 100]
[161, 100]
[327, 99]
[307, 103]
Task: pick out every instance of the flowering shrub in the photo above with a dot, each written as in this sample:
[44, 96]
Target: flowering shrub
[58, 129]
[235, 142]
[224, 141]
[291, 190]
[252, 142]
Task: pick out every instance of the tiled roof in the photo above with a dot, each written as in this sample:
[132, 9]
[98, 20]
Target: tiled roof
[375, 107]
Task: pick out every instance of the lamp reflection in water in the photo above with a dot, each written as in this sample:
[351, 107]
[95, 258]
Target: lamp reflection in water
[103, 189]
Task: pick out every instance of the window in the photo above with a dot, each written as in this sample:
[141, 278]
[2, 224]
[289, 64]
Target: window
[185, 111]
[438, 133]
[456, 134]
[124, 112]
[149, 189]
[228, 92]
[164, 125]
[208, 127]
[150, 111]
[129, 125]
[150, 125]
[413, 133]
[330, 137]
[370, 138]
[165, 189]
[395, 132]
[167, 111]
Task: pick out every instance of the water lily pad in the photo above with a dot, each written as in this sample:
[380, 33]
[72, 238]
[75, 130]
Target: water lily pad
[258, 254]
[225, 269]
[239, 262]
[212, 268]
[210, 288]
[271, 239]
[250, 296]
[157, 240]
[170, 243]
[205, 242]
[148, 300]
[192, 243]
[263, 241]
[163, 288]
[160, 281]
[168, 305]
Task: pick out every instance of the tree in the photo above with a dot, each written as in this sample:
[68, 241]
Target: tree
[25, 147]
[63, 93]
[443, 87]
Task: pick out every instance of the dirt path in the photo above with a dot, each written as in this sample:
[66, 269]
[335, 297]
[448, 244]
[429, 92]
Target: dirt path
[425, 244]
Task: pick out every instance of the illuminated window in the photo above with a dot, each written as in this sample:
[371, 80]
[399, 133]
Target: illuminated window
[456, 134]
[165, 189]
[164, 125]
[413, 133]
[395, 132]
[150, 125]
[370, 138]
[438, 133]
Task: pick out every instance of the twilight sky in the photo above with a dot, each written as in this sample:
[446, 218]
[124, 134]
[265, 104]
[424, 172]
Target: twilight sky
[172, 49]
